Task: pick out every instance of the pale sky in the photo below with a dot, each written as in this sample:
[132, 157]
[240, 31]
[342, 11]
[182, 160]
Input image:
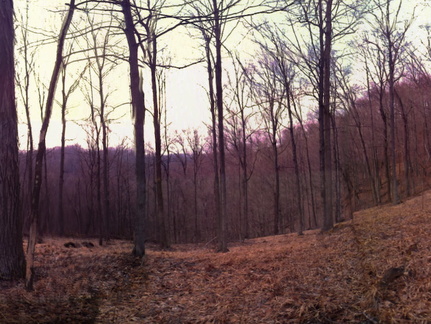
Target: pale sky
[187, 100]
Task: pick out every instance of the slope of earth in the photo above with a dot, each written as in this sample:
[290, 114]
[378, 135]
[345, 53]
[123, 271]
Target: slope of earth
[374, 269]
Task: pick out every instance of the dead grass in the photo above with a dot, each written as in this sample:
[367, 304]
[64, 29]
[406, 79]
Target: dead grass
[340, 276]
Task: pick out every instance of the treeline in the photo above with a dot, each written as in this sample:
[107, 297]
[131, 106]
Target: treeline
[361, 175]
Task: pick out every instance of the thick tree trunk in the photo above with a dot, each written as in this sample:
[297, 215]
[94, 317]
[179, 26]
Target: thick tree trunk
[222, 221]
[139, 114]
[12, 262]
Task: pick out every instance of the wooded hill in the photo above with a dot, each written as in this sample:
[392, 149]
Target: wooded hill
[275, 192]
[372, 269]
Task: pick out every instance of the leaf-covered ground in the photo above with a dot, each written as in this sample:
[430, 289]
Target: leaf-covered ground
[374, 269]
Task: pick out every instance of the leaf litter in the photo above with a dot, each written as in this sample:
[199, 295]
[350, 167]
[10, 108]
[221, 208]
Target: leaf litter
[375, 268]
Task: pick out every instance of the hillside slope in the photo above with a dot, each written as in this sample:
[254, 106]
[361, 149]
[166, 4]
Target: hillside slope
[376, 268]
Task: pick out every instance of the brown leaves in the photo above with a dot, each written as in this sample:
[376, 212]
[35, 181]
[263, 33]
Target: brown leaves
[335, 277]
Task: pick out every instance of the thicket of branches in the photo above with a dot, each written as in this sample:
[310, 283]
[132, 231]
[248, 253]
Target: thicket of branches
[188, 184]
[329, 114]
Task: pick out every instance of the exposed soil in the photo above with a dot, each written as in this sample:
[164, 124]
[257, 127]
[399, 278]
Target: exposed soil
[374, 269]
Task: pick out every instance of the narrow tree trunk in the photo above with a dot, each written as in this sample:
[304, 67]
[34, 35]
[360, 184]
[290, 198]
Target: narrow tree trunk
[62, 160]
[276, 185]
[160, 211]
[395, 194]
[34, 216]
[295, 163]
[106, 214]
[26, 194]
[325, 116]
[195, 202]
[213, 133]
[313, 216]
[99, 218]
[385, 143]
[407, 160]
[244, 165]
[376, 175]
[337, 165]
[222, 235]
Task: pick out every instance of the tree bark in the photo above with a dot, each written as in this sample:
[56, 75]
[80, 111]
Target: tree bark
[12, 261]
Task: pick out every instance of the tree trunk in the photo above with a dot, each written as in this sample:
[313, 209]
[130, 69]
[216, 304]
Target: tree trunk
[222, 222]
[376, 175]
[295, 162]
[407, 159]
[325, 116]
[106, 214]
[12, 261]
[313, 216]
[160, 211]
[395, 194]
[62, 157]
[139, 115]
[276, 165]
[385, 142]
[35, 211]
[244, 166]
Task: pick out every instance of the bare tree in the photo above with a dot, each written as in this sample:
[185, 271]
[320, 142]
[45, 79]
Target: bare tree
[138, 106]
[325, 22]
[238, 122]
[211, 18]
[24, 81]
[151, 53]
[42, 146]
[349, 98]
[196, 146]
[276, 48]
[268, 93]
[389, 41]
[376, 84]
[101, 64]
[65, 95]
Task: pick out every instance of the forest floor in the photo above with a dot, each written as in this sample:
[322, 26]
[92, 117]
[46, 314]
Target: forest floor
[373, 269]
